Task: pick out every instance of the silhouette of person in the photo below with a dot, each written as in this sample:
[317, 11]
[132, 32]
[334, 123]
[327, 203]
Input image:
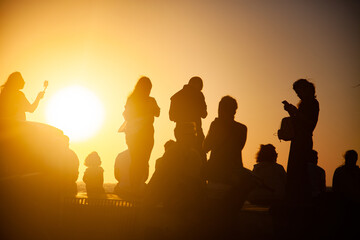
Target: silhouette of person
[140, 110]
[304, 119]
[188, 105]
[316, 176]
[177, 181]
[71, 173]
[167, 146]
[121, 172]
[13, 103]
[272, 174]
[346, 179]
[346, 186]
[226, 139]
[229, 182]
[93, 176]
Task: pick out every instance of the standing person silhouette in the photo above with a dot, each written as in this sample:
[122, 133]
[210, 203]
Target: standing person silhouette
[188, 105]
[224, 170]
[304, 119]
[140, 110]
[13, 103]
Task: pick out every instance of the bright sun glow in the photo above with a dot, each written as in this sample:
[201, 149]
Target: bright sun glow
[76, 111]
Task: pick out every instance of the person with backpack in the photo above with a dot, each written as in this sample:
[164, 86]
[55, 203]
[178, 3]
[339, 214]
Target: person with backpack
[188, 105]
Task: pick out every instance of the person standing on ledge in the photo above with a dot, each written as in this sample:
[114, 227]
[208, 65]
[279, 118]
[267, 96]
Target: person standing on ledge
[140, 110]
[188, 105]
[304, 119]
[13, 103]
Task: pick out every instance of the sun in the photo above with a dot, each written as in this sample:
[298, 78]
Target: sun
[76, 111]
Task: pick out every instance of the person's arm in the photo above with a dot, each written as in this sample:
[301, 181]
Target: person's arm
[291, 109]
[102, 176]
[85, 177]
[243, 137]
[323, 181]
[209, 139]
[156, 109]
[32, 107]
[203, 107]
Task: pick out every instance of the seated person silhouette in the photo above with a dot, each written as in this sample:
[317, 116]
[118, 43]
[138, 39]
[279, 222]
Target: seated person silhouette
[71, 173]
[121, 172]
[176, 183]
[346, 179]
[167, 146]
[93, 176]
[272, 174]
[316, 176]
[13, 103]
[229, 182]
[226, 139]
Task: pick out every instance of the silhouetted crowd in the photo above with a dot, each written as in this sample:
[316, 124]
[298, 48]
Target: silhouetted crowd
[208, 193]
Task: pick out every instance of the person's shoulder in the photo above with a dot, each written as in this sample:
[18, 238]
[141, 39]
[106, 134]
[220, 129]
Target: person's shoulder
[339, 169]
[151, 99]
[280, 167]
[178, 93]
[240, 125]
[19, 94]
[320, 169]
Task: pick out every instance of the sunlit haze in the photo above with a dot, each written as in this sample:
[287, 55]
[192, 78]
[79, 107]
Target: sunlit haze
[76, 111]
[250, 50]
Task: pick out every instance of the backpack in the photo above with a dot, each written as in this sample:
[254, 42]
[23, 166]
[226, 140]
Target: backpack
[286, 131]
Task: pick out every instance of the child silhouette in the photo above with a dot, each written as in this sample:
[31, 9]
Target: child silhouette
[93, 176]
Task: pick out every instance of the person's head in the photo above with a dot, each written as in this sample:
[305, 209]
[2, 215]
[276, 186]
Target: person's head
[14, 82]
[142, 87]
[351, 157]
[93, 160]
[304, 89]
[313, 157]
[227, 107]
[169, 144]
[267, 153]
[196, 82]
[185, 132]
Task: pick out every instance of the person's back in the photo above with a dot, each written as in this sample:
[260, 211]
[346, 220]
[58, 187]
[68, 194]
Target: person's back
[12, 105]
[188, 105]
[177, 181]
[94, 175]
[225, 139]
[316, 176]
[346, 179]
[121, 168]
[272, 174]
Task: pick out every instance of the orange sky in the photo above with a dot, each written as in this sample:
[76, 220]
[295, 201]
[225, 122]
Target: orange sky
[251, 50]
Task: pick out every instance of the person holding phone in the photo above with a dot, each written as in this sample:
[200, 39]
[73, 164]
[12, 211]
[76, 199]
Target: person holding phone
[13, 103]
[304, 119]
